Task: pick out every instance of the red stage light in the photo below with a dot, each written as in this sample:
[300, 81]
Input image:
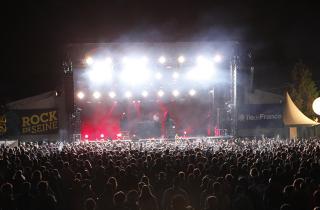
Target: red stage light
[86, 136]
[119, 135]
[102, 135]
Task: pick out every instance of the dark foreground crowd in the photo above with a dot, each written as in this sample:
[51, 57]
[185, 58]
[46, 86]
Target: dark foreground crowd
[233, 174]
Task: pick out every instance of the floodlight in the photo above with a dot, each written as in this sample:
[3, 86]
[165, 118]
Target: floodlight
[102, 135]
[181, 59]
[158, 75]
[175, 93]
[217, 58]
[175, 75]
[101, 71]
[96, 95]
[89, 60]
[162, 59]
[316, 106]
[192, 92]
[160, 93]
[86, 136]
[128, 94]
[145, 93]
[135, 71]
[112, 94]
[204, 70]
[80, 95]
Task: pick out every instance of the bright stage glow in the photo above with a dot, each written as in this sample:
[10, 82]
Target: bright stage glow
[135, 71]
[175, 75]
[112, 94]
[144, 93]
[181, 59]
[217, 58]
[160, 93]
[128, 94]
[101, 71]
[96, 95]
[316, 106]
[192, 92]
[162, 59]
[108, 60]
[89, 60]
[144, 59]
[204, 70]
[86, 136]
[80, 95]
[158, 75]
[102, 135]
[119, 135]
[175, 93]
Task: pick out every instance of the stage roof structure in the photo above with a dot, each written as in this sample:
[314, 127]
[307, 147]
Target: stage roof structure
[292, 115]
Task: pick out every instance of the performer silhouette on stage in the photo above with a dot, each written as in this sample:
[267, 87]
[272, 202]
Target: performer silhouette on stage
[169, 127]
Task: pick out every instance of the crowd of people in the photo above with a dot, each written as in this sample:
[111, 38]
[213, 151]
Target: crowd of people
[215, 174]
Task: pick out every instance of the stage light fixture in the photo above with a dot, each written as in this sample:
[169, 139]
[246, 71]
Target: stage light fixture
[135, 71]
[101, 72]
[175, 75]
[204, 70]
[175, 93]
[162, 59]
[102, 135]
[181, 59]
[80, 95]
[119, 135]
[128, 94]
[217, 58]
[160, 93]
[112, 94]
[145, 93]
[86, 136]
[158, 75]
[89, 60]
[192, 92]
[96, 95]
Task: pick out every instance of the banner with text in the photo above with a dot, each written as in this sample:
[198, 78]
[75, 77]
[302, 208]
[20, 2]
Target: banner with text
[253, 116]
[29, 122]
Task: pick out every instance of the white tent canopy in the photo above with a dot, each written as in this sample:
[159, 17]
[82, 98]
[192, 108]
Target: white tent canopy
[292, 116]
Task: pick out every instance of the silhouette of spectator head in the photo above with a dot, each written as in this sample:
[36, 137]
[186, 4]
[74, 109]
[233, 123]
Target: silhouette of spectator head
[90, 204]
[178, 202]
[119, 198]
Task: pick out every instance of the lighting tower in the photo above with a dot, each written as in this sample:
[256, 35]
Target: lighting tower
[234, 66]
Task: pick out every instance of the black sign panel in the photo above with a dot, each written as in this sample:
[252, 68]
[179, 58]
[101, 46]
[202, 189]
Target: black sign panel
[253, 116]
[29, 122]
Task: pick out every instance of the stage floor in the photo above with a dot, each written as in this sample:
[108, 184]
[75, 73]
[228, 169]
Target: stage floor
[189, 138]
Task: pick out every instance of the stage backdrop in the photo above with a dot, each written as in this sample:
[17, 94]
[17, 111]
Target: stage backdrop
[253, 116]
[29, 122]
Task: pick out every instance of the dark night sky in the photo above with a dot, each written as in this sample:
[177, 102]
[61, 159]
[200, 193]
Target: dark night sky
[35, 33]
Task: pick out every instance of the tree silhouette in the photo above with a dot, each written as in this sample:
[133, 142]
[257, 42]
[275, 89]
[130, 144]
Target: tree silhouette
[303, 89]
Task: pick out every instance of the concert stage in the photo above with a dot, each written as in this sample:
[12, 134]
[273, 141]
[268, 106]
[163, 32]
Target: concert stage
[161, 140]
[153, 90]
